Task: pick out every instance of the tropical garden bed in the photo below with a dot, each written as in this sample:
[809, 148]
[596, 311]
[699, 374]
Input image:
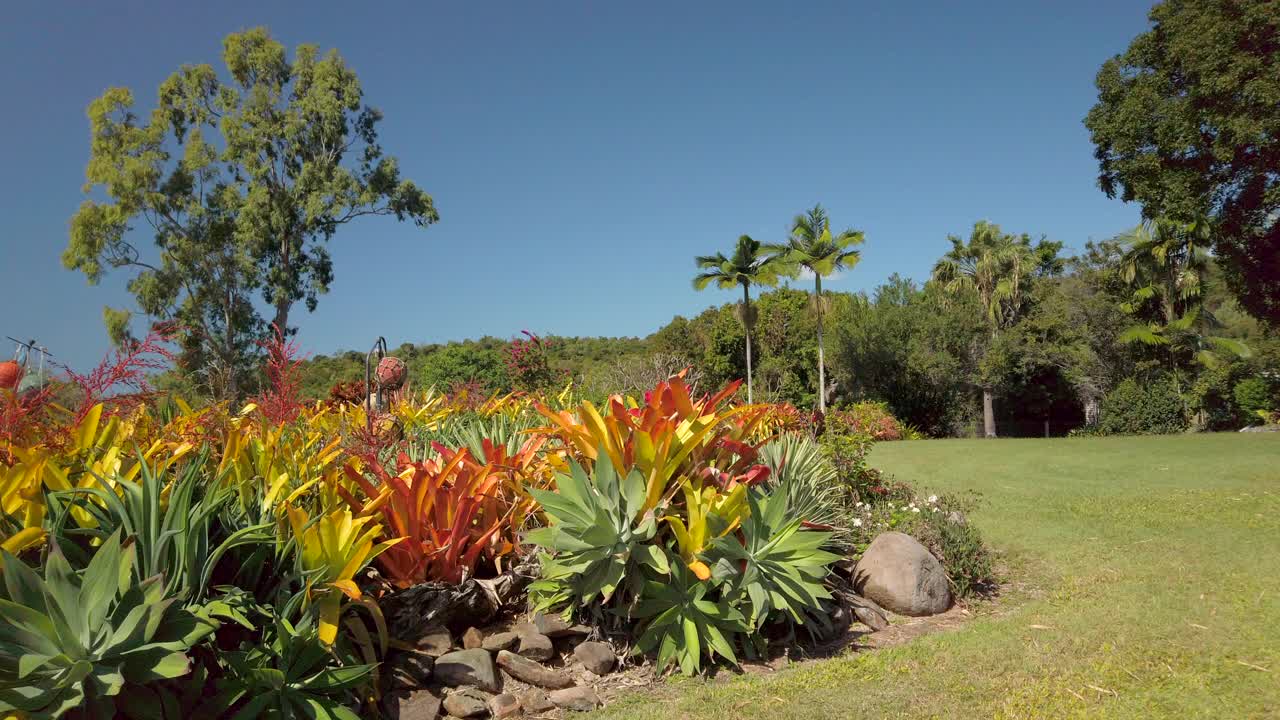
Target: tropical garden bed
[408, 554]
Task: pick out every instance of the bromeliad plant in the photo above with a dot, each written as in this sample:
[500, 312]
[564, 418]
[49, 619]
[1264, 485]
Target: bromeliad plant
[451, 511]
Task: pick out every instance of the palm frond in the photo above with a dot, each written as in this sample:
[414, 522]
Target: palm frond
[1143, 334]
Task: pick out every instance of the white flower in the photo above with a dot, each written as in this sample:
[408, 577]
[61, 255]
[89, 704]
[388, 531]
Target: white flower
[915, 509]
[933, 498]
[857, 522]
[935, 509]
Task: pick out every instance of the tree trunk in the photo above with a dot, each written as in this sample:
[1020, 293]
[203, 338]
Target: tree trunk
[988, 413]
[282, 317]
[746, 324]
[822, 370]
[1092, 410]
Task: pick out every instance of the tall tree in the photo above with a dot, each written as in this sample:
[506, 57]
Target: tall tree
[1186, 124]
[998, 268]
[748, 266]
[813, 247]
[242, 179]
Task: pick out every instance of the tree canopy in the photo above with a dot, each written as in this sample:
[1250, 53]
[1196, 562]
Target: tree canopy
[1186, 124]
[241, 179]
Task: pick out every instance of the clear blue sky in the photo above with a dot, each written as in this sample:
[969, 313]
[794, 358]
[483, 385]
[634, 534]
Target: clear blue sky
[581, 154]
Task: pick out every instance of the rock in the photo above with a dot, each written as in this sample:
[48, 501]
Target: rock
[436, 642]
[900, 574]
[411, 669]
[553, 626]
[504, 705]
[597, 657]
[535, 701]
[472, 639]
[528, 671]
[468, 667]
[1261, 428]
[419, 705]
[536, 646]
[580, 699]
[501, 641]
[466, 702]
[955, 517]
[872, 619]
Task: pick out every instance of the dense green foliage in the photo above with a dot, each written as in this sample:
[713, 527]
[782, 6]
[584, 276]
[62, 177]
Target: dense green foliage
[1134, 408]
[1186, 125]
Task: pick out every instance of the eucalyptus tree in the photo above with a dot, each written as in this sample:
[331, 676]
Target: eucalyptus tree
[240, 178]
[749, 265]
[812, 246]
[998, 269]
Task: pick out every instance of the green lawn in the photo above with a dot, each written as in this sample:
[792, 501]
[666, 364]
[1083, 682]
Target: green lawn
[1144, 581]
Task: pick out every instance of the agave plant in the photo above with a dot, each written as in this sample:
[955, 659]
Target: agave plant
[683, 623]
[776, 565]
[600, 534]
[76, 641]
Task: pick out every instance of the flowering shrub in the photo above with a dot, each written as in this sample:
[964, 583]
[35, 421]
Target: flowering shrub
[872, 419]
[528, 363]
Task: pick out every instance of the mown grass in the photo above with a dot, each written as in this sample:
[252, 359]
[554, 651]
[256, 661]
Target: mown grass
[1143, 580]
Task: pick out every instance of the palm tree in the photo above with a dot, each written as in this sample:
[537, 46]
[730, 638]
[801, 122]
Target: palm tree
[812, 247]
[748, 266]
[1166, 262]
[997, 267]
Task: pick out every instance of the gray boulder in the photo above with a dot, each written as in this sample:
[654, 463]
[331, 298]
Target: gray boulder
[468, 667]
[597, 657]
[902, 576]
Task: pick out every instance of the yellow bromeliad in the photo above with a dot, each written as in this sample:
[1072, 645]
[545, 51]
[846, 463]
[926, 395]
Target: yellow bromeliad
[331, 550]
[699, 528]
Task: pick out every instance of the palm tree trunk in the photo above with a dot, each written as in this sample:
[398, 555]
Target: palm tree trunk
[988, 413]
[746, 325]
[822, 370]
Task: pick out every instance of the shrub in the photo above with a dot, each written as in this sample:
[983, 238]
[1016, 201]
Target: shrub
[1132, 408]
[1254, 394]
[872, 419]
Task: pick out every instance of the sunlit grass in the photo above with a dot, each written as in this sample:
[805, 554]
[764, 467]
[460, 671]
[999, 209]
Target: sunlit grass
[1143, 581]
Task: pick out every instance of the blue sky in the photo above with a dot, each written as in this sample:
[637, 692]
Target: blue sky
[581, 154]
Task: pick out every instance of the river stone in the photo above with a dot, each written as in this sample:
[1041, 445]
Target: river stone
[580, 699]
[466, 702]
[420, 705]
[535, 700]
[902, 576]
[435, 642]
[553, 626]
[472, 639]
[536, 646]
[504, 705]
[528, 671]
[468, 667]
[597, 657]
[501, 641]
